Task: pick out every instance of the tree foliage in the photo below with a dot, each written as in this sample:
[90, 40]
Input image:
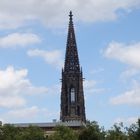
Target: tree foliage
[9, 132]
[116, 133]
[92, 131]
[134, 131]
[63, 133]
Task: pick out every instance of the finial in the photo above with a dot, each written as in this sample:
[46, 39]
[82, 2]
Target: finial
[70, 15]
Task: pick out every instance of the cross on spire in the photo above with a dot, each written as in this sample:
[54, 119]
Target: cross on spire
[70, 15]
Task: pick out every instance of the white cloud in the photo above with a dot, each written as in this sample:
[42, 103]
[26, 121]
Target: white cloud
[13, 78]
[90, 87]
[130, 97]
[127, 121]
[18, 40]
[97, 71]
[24, 112]
[28, 114]
[56, 89]
[14, 84]
[128, 73]
[16, 95]
[128, 54]
[12, 101]
[51, 13]
[51, 57]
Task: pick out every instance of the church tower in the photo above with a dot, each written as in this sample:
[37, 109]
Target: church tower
[72, 95]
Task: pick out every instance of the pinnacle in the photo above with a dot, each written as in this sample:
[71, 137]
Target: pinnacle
[70, 15]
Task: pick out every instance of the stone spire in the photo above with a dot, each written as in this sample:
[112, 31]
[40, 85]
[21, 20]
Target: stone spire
[71, 58]
[72, 95]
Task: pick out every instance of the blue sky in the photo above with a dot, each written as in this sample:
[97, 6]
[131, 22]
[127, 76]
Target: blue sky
[33, 36]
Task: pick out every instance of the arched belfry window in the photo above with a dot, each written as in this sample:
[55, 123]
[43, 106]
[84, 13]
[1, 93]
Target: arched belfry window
[72, 94]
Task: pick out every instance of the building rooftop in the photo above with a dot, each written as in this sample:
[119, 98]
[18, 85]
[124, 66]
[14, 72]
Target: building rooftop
[51, 124]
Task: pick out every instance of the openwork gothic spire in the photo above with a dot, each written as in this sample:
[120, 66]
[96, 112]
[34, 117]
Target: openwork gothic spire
[71, 58]
[72, 95]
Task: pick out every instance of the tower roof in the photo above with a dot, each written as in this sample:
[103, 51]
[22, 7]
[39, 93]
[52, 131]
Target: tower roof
[71, 58]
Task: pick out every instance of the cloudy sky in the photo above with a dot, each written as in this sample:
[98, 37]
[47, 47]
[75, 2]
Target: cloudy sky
[33, 37]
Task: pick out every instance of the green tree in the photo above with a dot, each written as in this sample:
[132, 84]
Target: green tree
[134, 131]
[9, 132]
[117, 133]
[63, 133]
[92, 131]
[32, 133]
